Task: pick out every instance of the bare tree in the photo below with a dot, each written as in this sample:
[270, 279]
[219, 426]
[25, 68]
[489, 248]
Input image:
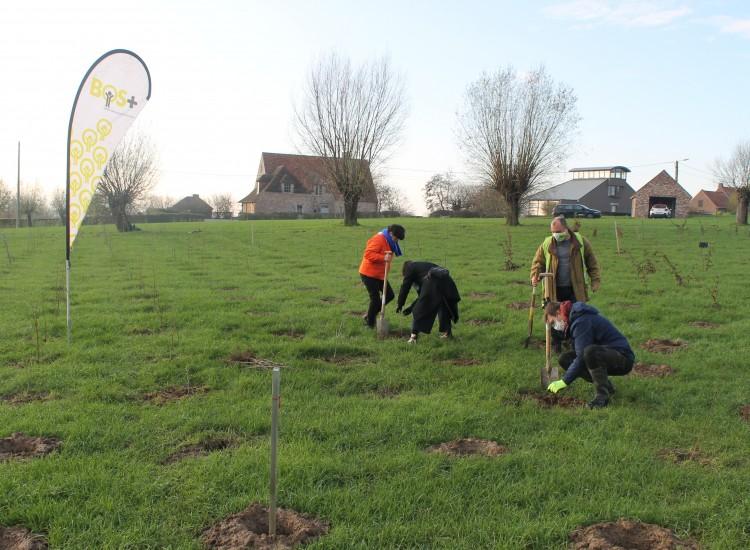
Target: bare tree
[223, 204]
[32, 202]
[391, 199]
[352, 118]
[129, 175]
[157, 202]
[58, 205]
[516, 130]
[6, 196]
[735, 173]
[439, 191]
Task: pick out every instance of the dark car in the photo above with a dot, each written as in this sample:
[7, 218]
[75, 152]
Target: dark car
[576, 211]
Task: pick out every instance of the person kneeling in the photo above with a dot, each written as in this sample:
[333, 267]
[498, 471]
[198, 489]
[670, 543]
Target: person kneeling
[437, 297]
[600, 350]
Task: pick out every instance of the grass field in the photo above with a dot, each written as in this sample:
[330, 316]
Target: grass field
[168, 305]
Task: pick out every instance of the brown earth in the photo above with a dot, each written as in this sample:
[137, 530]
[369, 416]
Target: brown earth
[25, 397]
[20, 538]
[681, 456]
[469, 446]
[480, 322]
[344, 359]
[141, 331]
[664, 345]
[332, 300]
[388, 392]
[249, 529]
[23, 446]
[248, 359]
[465, 362]
[201, 449]
[536, 343]
[519, 306]
[646, 370]
[703, 324]
[289, 333]
[548, 400]
[173, 393]
[745, 413]
[482, 295]
[627, 535]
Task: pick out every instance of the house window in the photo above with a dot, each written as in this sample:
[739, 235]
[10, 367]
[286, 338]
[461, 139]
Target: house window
[288, 187]
[299, 209]
[324, 209]
[611, 190]
[613, 207]
[318, 189]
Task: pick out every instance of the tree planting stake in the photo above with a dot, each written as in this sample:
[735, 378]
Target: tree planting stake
[276, 383]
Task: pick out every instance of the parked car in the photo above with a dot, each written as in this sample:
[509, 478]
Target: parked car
[576, 211]
[660, 211]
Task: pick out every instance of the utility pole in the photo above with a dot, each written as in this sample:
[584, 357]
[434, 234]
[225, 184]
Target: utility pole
[18, 188]
[677, 169]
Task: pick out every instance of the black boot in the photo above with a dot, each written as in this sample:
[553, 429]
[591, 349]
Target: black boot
[601, 384]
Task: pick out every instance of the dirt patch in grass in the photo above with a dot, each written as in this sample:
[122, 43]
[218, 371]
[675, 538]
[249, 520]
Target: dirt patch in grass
[652, 371]
[388, 392]
[703, 324]
[141, 331]
[519, 306]
[536, 343]
[23, 446]
[664, 345]
[629, 306]
[332, 300]
[344, 359]
[465, 362]
[481, 295]
[548, 400]
[480, 322]
[295, 334]
[745, 413]
[359, 314]
[681, 456]
[203, 448]
[25, 397]
[248, 359]
[469, 446]
[625, 534]
[20, 538]
[249, 529]
[173, 393]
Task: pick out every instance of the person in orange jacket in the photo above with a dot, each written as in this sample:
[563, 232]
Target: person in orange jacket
[378, 254]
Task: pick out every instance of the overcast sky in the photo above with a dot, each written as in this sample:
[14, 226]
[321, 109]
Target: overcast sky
[657, 80]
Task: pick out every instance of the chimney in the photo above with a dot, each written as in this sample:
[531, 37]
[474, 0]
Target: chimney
[195, 196]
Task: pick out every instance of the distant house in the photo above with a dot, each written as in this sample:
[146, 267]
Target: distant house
[299, 184]
[711, 202]
[662, 189]
[192, 205]
[602, 188]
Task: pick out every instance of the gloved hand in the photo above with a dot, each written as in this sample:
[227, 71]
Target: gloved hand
[407, 311]
[556, 386]
[595, 286]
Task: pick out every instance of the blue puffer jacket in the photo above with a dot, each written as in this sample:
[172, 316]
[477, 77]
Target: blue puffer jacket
[586, 328]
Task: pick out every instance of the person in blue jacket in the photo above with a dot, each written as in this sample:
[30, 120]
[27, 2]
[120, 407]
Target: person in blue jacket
[599, 349]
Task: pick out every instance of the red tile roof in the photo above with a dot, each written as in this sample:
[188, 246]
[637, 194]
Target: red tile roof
[719, 198]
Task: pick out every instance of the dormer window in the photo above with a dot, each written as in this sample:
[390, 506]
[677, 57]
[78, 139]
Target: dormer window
[318, 189]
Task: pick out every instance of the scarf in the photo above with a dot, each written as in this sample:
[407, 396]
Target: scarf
[394, 246]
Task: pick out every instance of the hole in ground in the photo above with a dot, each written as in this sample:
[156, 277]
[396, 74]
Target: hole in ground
[25, 397]
[664, 345]
[248, 359]
[20, 538]
[249, 529]
[202, 448]
[681, 456]
[519, 306]
[481, 295]
[703, 324]
[548, 400]
[632, 535]
[289, 333]
[173, 393]
[481, 322]
[646, 370]
[20, 445]
[469, 446]
[745, 413]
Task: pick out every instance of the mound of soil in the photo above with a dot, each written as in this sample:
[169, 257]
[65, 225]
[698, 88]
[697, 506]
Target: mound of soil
[480, 322]
[681, 456]
[548, 400]
[289, 333]
[203, 448]
[745, 413]
[173, 393]
[248, 359]
[23, 398]
[481, 295]
[469, 446]
[703, 324]
[465, 362]
[627, 535]
[249, 529]
[651, 371]
[20, 538]
[519, 306]
[359, 314]
[663, 345]
[23, 446]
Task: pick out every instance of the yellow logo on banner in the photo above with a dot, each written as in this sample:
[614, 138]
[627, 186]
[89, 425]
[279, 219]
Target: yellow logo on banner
[109, 92]
[100, 156]
[104, 127]
[76, 150]
[89, 138]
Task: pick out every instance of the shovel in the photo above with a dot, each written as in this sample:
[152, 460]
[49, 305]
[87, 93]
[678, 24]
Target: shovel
[548, 373]
[382, 326]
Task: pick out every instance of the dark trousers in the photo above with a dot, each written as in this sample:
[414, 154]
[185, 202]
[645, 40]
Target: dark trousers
[424, 324]
[596, 357]
[374, 288]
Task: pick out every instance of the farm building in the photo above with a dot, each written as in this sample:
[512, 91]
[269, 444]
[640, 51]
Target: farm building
[711, 202]
[192, 205]
[602, 188]
[299, 184]
[662, 189]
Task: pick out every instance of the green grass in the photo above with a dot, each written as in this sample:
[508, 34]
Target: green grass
[167, 305]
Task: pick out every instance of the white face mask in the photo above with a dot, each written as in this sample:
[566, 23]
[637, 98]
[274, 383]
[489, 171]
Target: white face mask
[559, 325]
[560, 236]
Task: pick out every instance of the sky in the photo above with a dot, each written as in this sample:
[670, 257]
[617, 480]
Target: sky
[656, 80]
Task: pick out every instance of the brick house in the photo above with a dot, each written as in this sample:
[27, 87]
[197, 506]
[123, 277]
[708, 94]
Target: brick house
[662, 189]
[192, 205]
[299, 184]
[711, 202]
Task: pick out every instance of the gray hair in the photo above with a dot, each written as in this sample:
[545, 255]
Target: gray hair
[562, 221]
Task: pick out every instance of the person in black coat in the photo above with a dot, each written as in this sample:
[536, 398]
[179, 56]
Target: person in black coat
[437, 297]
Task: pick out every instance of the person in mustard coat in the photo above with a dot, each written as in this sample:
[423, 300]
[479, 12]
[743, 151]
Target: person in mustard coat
[378, 254]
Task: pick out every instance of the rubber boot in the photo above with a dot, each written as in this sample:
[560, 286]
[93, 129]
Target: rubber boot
[601, 383]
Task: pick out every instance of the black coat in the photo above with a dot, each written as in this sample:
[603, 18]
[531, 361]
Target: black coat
[433, 291]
